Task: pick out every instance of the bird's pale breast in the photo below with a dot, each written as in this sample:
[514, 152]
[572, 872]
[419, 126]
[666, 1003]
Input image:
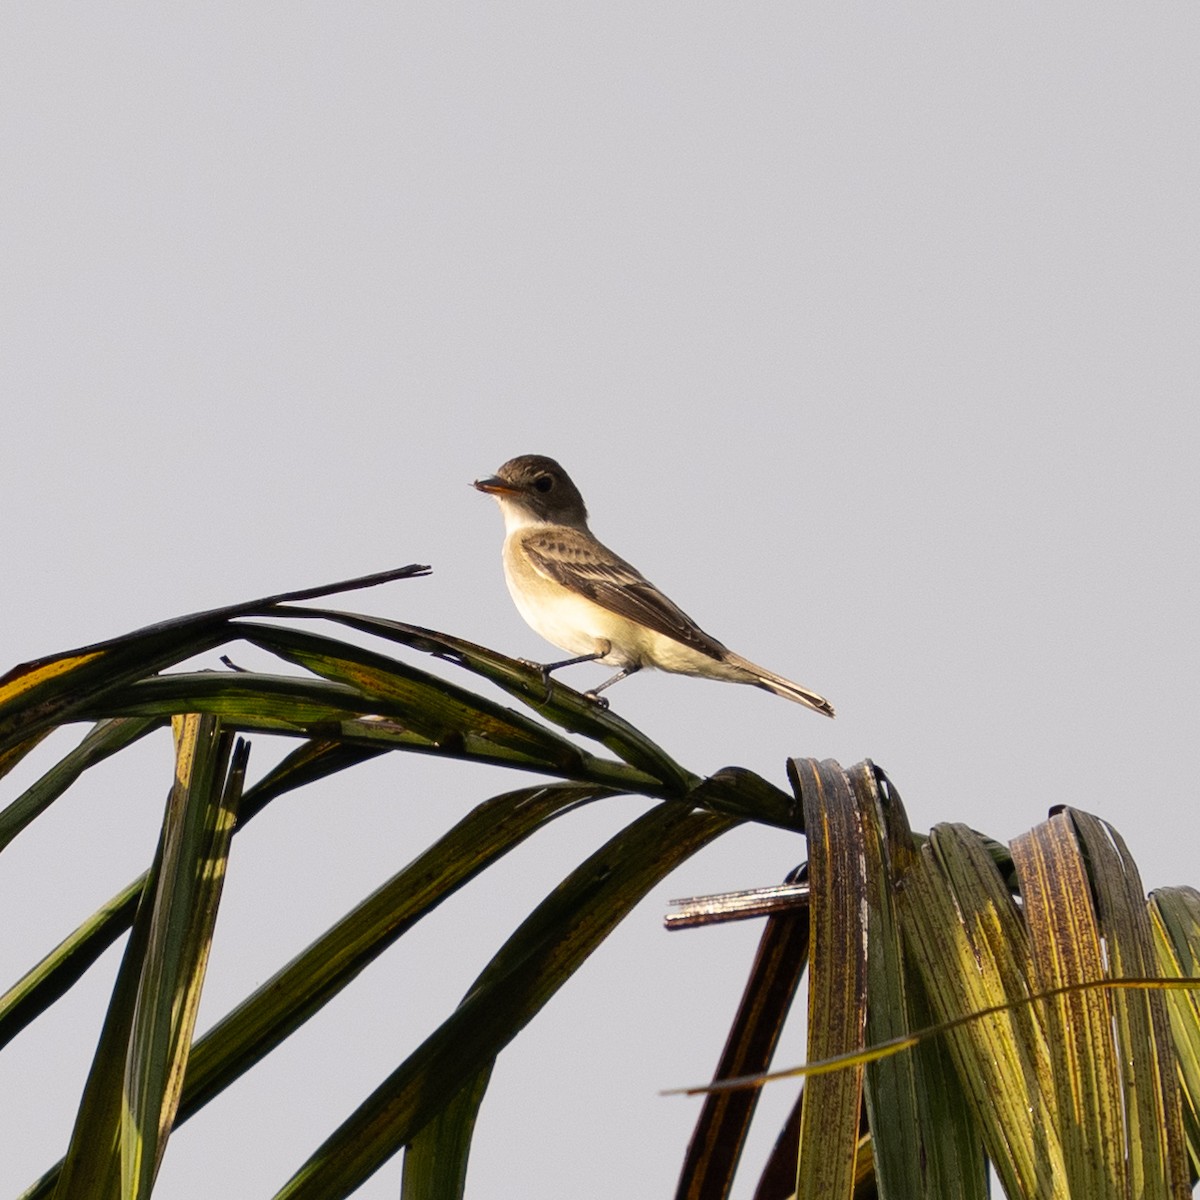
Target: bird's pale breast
[578, 625]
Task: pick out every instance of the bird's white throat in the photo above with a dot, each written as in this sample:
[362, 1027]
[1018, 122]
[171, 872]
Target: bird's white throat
[517, 516]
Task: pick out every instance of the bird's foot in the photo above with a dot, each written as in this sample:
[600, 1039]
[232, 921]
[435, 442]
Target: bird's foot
[599, 701]
[543, 669]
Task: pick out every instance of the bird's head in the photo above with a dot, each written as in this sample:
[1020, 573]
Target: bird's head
[535, 490]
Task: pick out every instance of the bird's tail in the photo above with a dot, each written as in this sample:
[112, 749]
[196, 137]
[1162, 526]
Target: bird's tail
[763, 678]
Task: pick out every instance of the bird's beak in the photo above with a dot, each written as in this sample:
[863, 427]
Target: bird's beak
[495, 486]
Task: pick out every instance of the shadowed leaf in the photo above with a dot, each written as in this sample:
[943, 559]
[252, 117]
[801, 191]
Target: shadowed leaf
[66, 964]
[286, 1000]
[287, 704]
[543, 953]
[564, 706]
[435, 1163]
[101, 740]
[724, 1121]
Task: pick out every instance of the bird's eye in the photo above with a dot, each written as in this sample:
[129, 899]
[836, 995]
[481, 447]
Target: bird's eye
[543, 483]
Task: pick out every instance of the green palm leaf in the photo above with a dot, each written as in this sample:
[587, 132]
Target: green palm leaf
[1065, 1089]
[532, 965]
[129, 1103]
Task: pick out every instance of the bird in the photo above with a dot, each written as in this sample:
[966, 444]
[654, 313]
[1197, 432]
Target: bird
[583, 598]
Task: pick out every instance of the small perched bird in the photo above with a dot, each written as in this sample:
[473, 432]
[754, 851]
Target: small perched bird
[580, 596]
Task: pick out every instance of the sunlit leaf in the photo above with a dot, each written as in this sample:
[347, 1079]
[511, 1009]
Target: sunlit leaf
[1155, 1150]
[837, 978]
[970, 945]
[129, 1100]
[1175, 917]
[1065, 948]
[923, 1143]
[200, 820]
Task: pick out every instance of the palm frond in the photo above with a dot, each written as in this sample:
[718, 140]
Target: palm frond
[1062, 1087]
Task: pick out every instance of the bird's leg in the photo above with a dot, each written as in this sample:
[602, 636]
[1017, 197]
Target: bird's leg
[594, 694]
[546, 668]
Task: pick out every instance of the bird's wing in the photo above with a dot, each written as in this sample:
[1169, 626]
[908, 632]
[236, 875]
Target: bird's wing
[587, 567]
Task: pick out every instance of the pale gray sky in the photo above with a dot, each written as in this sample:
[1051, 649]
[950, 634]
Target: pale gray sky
[869, 333]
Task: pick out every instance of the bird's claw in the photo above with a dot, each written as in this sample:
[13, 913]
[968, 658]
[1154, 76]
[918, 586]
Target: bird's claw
[544, 671]
[599, 701]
